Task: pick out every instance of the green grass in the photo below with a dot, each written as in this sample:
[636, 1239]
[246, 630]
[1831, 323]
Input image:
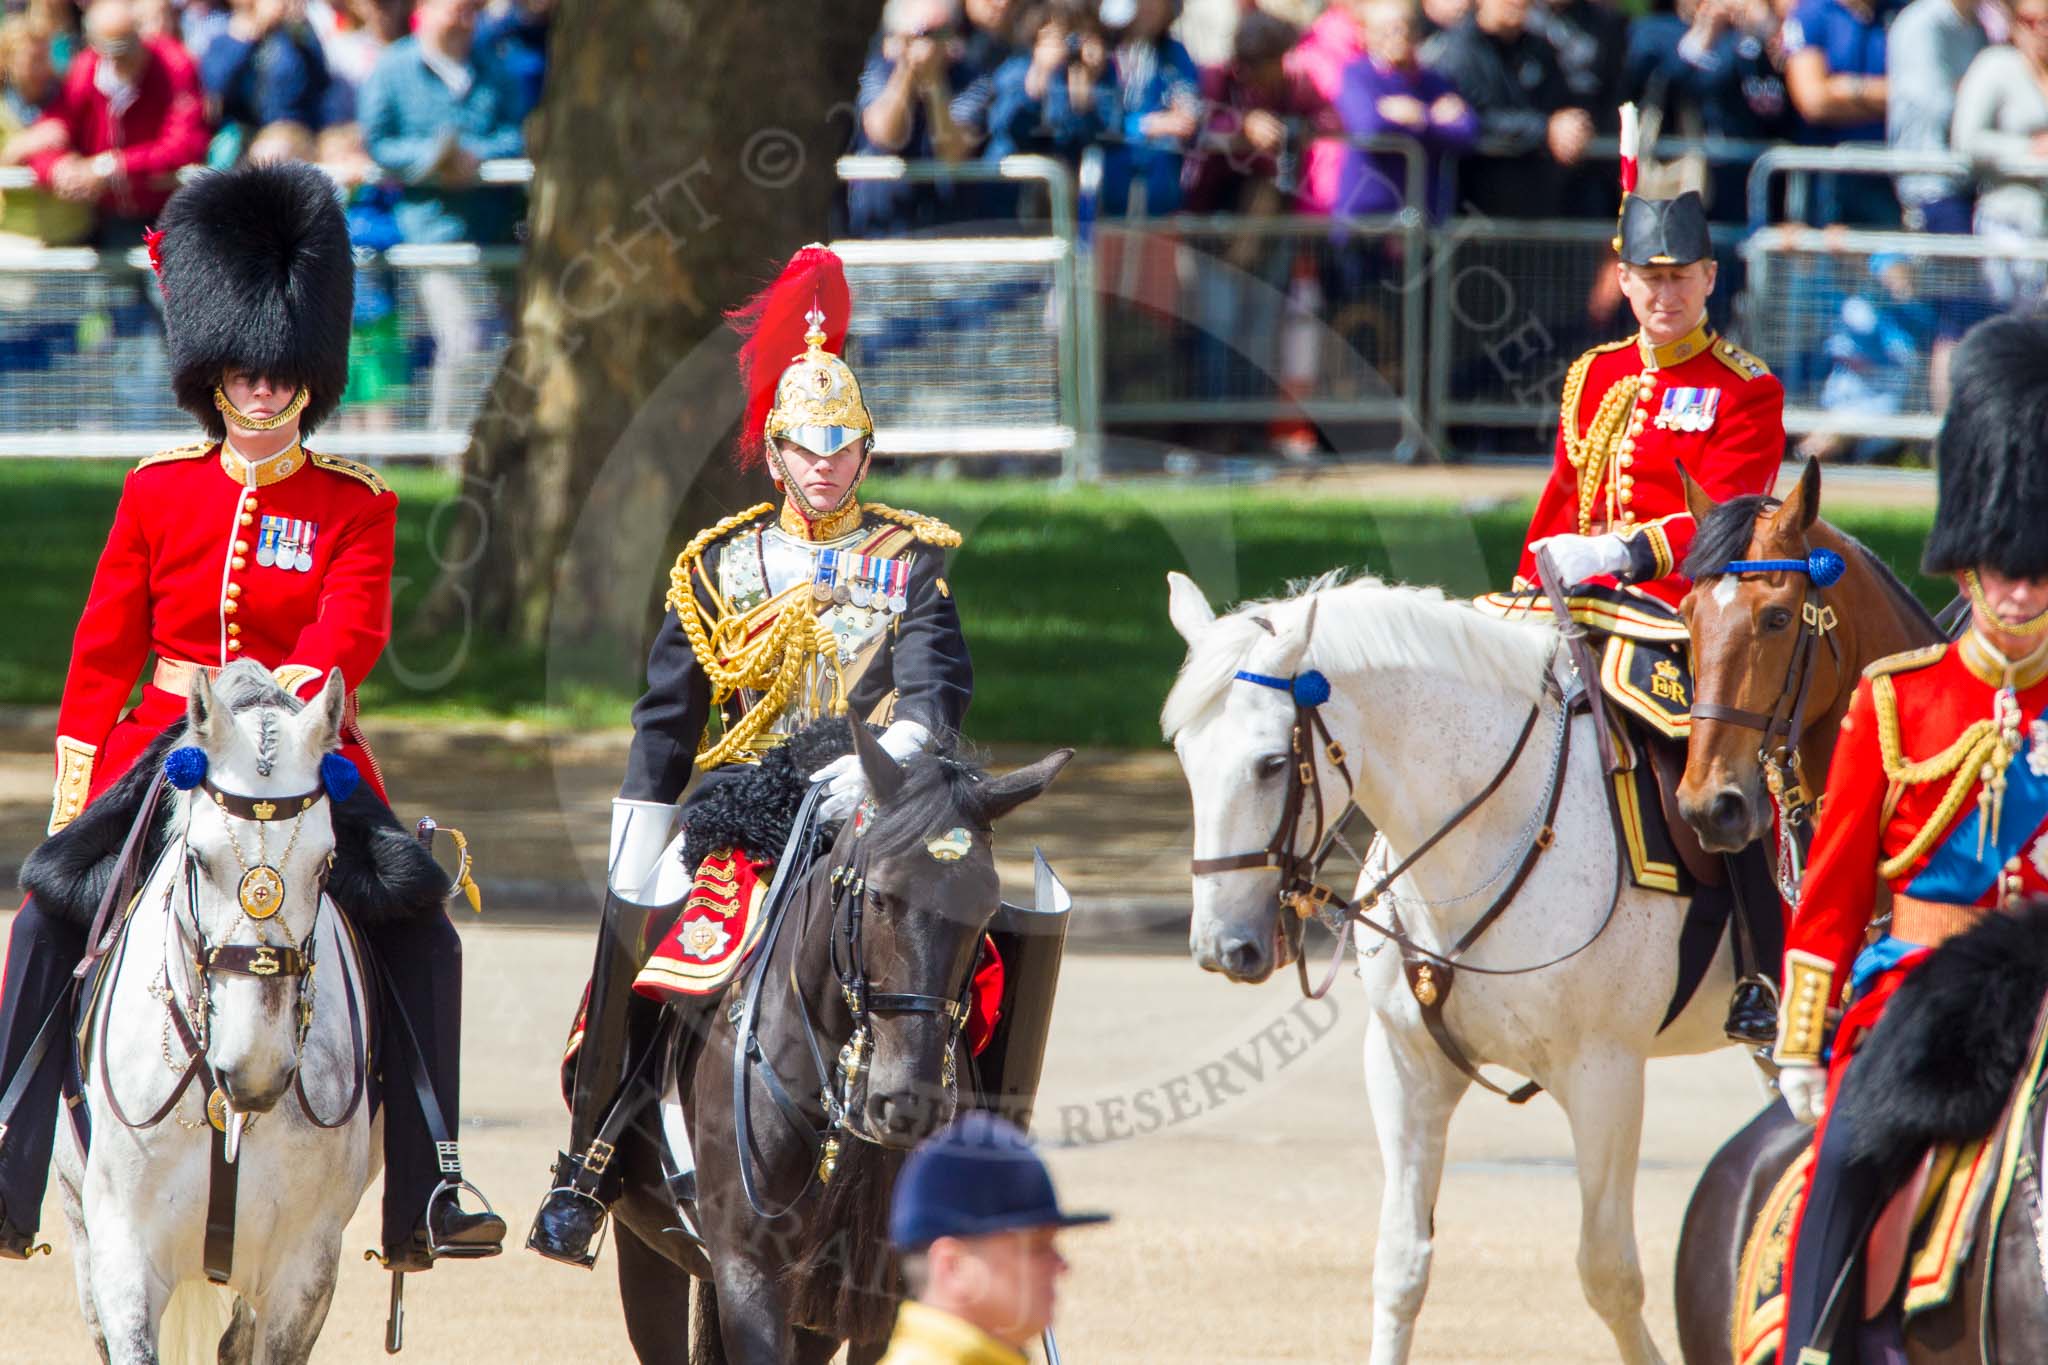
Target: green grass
[1062, 593]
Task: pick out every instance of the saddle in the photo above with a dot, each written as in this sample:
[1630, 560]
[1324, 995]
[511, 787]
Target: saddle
[1915, 1250]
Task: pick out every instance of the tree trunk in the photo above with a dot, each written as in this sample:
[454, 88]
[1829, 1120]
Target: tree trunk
[684, 149]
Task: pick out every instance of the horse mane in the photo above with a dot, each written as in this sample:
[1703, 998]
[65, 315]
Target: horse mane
[1724, 537]
[847, 1280]
[1363, 624]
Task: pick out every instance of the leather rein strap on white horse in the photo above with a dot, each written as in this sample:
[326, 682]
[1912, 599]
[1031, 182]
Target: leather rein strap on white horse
[1300, 892]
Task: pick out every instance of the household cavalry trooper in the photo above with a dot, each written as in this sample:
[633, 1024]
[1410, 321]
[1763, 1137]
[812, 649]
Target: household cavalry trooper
[244, 546]
[1938, 789]
[1613, 513]
[817, 605]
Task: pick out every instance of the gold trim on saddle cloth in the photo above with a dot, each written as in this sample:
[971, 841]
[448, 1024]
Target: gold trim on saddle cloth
[1628, 801]
[719, 925]
[1649, 683]
[1760, 1279]
[1613, 618]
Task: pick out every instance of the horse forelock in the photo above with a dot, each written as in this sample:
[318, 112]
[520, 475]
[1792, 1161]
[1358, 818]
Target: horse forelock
[1725, 535]
[1361, 625]
[940, 791]
[245, 687]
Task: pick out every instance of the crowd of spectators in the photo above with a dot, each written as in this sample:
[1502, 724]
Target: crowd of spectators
[402, 101]
[1521, 94]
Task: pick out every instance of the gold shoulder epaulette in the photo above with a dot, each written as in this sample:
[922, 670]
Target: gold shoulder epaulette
[1739, 360]
[1905, 662]
[361, 473]
[191, 452]
[930, 530]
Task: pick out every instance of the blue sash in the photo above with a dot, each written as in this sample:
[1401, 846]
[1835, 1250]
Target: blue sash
[1954, 872]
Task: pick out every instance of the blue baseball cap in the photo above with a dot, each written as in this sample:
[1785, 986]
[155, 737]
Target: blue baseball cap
[977, 1176]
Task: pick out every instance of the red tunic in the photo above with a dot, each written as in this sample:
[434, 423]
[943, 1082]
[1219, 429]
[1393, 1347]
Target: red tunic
[182, 578]
[1909, 810]
[1631, 415]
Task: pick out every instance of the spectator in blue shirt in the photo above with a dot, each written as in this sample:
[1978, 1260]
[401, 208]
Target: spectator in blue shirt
[517, 32]
[924, 95]
[1061, 96]
[1835, 73]
[432, 111]
[1161, 98]
[266, 67]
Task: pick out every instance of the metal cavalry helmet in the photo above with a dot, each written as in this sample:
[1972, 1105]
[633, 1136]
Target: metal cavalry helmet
[798, 387]
[1990, 461]
[257, 275]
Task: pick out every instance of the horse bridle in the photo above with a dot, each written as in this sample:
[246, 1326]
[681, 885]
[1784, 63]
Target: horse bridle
[838, 1080]
[1783, 728]
[1304, 893]
[263, 962]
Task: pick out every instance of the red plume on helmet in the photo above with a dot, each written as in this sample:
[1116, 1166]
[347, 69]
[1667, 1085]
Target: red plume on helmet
[772, 323]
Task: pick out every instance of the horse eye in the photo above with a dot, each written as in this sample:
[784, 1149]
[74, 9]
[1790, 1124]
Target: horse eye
[1271, 766]
[1777, 618]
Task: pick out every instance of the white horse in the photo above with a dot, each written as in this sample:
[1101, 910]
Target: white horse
[1427, 699]
[204, 1002]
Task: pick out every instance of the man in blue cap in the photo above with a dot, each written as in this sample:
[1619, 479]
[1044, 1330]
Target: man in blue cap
[975, 1217]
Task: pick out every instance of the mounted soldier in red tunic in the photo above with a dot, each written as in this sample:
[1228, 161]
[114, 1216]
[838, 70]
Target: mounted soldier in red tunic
[246, 545]
[1613, 525]
[1937, 793]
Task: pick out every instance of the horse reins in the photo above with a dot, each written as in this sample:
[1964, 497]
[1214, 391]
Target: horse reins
[1430, 973]
[836, 1082]
[1783, 728]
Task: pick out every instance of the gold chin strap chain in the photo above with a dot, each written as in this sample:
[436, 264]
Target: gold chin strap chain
[2026, 629]
[290, 413]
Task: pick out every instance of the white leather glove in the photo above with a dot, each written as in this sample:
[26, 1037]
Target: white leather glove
[640, 831]
[849, 784]
[1805, 1088]
[1579, 558]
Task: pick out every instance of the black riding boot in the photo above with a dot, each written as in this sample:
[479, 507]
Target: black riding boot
[1759, 948]
[617, 1024]
[42, 950]
[423, 1218]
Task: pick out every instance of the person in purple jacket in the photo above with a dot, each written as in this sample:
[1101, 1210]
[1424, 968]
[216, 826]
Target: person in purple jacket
[1389, 90]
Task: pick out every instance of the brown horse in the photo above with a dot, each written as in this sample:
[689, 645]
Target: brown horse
[1776, 656]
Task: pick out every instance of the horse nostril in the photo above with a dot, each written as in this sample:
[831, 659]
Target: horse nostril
[1243, 957]
[1729, 811]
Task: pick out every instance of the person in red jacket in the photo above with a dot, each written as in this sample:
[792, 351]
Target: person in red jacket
[243, 546]
[1938, 790]
[1613, 517]
[130, 116]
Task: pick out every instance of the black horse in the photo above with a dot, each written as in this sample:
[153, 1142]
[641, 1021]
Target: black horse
[1948, 1058]
[855, 999]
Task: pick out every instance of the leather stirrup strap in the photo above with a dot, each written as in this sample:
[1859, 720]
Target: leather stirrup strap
[18, 1084]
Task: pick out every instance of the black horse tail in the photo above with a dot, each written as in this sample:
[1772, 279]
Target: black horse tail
[847, 1280]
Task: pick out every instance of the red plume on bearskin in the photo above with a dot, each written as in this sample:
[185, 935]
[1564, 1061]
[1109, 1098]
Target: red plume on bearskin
[772, 323]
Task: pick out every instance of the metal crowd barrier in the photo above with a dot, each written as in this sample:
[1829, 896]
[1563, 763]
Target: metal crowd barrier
[84, 372]
[977, 345]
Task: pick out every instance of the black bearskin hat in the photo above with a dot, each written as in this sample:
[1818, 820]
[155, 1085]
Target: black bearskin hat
[1991, 458]
[257, 275]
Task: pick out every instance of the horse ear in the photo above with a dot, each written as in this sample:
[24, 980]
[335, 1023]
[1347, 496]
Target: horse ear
[202, 711]
[1186, 607]
[884, 774]
[1001, 795]
[1802, 505]
[326, 713]
[1698, 500]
